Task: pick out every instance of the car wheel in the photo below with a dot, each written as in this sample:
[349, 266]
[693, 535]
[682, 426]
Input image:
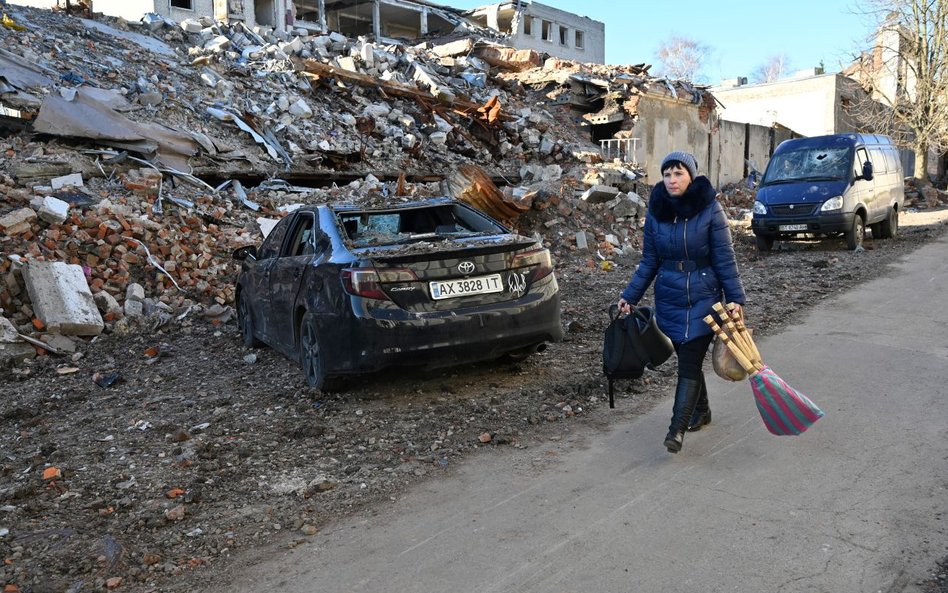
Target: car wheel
[763, 242]
[311, 358]
[890, 226]
[856, 233]
[245, 321]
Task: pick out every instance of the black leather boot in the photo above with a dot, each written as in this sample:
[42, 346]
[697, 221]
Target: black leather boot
[686, 398]
[702, 415]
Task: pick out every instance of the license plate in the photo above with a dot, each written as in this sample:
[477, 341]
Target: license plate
[457, 288]
[792, 227]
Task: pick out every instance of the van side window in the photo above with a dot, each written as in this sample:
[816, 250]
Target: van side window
[862, 155]
[892, 160]
[878, 161]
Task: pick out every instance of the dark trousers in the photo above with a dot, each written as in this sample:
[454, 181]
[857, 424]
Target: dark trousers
[691, 356]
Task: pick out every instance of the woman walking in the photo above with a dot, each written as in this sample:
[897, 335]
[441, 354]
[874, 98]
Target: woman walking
[687, 251]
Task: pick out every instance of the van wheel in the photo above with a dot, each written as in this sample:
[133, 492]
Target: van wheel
[856, 233]
[764, 243]
[890, 226]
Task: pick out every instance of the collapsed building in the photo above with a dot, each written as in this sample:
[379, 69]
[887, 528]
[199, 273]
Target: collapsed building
[144, 152]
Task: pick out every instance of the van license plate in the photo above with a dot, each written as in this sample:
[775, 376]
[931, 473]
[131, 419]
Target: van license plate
[792, 227]
[466, 287]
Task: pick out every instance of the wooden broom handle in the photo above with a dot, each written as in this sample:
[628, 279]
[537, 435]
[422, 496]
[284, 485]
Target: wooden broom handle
[739, 356]
[736, 336]
[739, 322]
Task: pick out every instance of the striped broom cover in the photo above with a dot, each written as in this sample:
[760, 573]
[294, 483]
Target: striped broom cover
[785, 410]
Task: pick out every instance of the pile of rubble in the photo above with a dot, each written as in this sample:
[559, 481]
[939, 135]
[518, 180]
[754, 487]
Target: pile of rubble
[136, 121]
[924, 198]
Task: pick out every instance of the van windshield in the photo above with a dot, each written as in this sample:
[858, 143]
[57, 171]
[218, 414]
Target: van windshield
[808, 164]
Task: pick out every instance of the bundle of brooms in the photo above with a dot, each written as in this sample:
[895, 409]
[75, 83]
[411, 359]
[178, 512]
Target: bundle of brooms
[784, 410]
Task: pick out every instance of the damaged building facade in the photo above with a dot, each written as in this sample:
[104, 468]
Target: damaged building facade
[531, 25]
[525, 25]
[385, 19]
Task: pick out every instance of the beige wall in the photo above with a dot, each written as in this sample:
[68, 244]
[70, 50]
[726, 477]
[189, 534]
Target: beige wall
[665, 125]
[809, 106]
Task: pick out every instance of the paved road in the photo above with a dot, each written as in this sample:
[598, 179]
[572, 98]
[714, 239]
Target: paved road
[857, 504]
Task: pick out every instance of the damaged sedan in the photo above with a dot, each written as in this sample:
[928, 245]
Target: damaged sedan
[346, 289]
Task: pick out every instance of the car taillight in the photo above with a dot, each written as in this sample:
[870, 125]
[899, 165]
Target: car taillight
[538, 260]
[367, 282]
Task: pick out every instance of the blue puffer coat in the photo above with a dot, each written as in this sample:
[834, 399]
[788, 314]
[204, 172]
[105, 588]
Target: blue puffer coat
[693, 230]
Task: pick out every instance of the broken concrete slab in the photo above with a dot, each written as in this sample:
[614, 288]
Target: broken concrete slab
[62, 299]
[73, 179]
[8, 331]
[12, 354]
[59, 343]
[461, 47]
[599, 194]
[509, 58]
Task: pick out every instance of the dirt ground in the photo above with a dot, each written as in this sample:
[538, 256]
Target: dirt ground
[195, 456]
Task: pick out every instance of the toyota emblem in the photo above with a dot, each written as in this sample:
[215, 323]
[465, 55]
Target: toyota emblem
[466, 267]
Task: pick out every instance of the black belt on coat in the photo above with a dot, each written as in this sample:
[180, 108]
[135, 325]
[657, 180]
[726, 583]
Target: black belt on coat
[686, 265]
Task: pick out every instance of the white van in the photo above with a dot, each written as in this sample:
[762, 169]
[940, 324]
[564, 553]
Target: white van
[828, 186]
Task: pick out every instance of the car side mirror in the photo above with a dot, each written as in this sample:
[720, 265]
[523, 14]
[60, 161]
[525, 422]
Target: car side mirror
[866, 171]
[245, 252]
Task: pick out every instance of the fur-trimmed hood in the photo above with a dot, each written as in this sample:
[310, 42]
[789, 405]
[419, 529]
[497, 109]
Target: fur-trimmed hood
[699, 195]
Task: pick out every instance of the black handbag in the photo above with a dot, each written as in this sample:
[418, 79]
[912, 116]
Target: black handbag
[631, 344]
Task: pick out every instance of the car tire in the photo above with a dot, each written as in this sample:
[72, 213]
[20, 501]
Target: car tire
[248, 335]
[310, 355]
[890, 226]
[763, 242]
[856, 233]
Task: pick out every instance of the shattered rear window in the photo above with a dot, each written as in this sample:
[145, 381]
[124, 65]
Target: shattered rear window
[441, 222]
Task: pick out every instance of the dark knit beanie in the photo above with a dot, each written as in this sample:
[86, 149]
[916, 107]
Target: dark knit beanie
[685, 158]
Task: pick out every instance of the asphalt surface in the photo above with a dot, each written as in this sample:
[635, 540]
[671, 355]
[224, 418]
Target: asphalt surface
[856, 504]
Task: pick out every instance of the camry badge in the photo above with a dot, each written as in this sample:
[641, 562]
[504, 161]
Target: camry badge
[466, 267]
[517, 283]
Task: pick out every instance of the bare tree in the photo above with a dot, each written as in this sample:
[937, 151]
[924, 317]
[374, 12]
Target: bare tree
[682, 58]
[906, 74]
[775, 68]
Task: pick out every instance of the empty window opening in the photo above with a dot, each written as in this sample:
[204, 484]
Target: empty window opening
[580, 42]
[564, 36]
[547, 31]
[185, 4]
[528, 26]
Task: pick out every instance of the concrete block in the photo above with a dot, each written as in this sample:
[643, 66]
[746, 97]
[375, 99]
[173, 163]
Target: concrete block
[18, 221]
[53, 210]
[347, 63]
[73, 179]
[135, 292]
[598, 194]
[582, 241]
[134, 308]
[107, 304]
[191, 26]
[61, 298]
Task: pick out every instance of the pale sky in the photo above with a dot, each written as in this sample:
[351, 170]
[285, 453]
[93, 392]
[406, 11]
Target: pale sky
[741, 34]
